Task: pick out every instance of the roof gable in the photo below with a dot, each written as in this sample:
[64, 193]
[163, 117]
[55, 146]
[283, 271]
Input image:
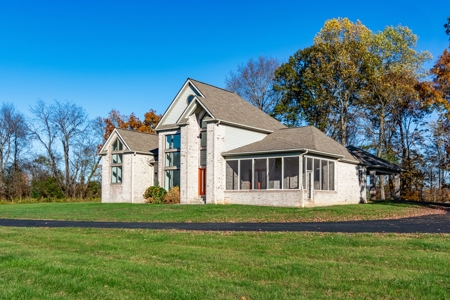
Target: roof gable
[133, 141]
[178, 105]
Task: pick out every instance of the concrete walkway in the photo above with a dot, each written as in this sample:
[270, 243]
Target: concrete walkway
[424, 224]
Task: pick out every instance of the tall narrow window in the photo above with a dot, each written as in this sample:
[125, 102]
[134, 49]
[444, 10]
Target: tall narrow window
[116, 162]
[291, 172]
[325, 175]
[172, 161]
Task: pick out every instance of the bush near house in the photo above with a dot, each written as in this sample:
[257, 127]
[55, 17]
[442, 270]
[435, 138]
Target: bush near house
[172, 196]
[155, 194]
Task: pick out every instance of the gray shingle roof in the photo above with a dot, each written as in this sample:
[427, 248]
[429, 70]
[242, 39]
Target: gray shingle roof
[228, 106]
[372, 161]
[139, 141]
[307, 137]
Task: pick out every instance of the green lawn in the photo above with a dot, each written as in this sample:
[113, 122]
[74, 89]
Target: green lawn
[208, 213]
[42, 263]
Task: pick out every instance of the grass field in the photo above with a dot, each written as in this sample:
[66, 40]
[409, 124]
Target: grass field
[39, 263]
[209, 213]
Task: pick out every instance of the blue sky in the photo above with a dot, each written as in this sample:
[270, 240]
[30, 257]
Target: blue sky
[135, 55]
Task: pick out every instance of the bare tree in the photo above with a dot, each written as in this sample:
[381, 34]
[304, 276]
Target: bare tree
[12, 142]
[253, 82]
[42, 128]
[69, 121]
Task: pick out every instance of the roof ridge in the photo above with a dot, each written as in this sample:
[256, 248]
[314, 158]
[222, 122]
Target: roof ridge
[311, 128]
[134, 131]
[211, 85]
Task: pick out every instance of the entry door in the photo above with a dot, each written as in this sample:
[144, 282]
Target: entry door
[309, 185]
[202, 181]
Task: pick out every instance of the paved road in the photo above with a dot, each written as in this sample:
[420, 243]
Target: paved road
[424, 224]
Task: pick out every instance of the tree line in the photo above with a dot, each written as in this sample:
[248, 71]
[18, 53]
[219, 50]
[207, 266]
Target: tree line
[53, 153]
[368, 89]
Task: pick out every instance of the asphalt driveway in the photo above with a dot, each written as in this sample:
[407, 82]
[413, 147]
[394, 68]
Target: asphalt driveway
[425, 224]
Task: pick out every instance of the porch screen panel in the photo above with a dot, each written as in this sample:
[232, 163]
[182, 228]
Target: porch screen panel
[291, 172]
[246, 174]
[325, 175]
[317, 174]
[331, 170]
[260, 175]
[275, 173]
[232, 175]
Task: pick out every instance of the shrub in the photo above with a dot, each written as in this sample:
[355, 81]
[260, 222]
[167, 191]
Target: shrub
[172, 196]
[155, 194]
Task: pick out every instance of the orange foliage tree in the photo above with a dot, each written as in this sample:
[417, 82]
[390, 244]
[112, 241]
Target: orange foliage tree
[131, 122]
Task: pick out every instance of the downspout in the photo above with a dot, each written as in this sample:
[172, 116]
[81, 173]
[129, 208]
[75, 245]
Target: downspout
[301, 172]
[132, 177]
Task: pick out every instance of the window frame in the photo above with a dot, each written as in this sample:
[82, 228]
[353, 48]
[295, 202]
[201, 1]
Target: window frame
[170, 150]
[116, 149]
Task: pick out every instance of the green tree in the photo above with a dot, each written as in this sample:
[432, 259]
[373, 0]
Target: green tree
[329, 76]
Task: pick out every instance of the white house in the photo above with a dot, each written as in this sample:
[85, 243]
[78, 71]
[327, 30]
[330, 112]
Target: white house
[220, 149]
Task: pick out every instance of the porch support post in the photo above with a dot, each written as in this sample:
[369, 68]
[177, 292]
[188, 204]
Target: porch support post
[397, 187]
[363, 185]
[382, 195]
[373, 187]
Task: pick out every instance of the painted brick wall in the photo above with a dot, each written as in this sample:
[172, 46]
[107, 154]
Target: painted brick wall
[215, 171]
[143, 176]
[347, 187]
[289, 198]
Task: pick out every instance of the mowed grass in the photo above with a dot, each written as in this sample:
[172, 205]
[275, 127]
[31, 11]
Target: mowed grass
[209, 213]
[42, 263]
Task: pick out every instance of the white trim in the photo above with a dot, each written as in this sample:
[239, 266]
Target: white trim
[241, 126]
[108, 141]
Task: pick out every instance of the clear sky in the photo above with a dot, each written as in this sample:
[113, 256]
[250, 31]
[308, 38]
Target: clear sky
[135, 55]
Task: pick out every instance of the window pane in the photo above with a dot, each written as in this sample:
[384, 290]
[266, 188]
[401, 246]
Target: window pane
[232, 175]
[202, 157]
[275, 173]
[325, 175]
[317, 174]
[172, 178]
[117, 158]
[116, 174]
[203, 139]
[291, 172]
[331, 177]
[260, 175]
[173, 141]
[246, 174]
[172, 159]
[117, 145]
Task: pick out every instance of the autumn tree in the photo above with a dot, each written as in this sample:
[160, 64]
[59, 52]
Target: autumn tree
[253, 81]
[116, 120]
